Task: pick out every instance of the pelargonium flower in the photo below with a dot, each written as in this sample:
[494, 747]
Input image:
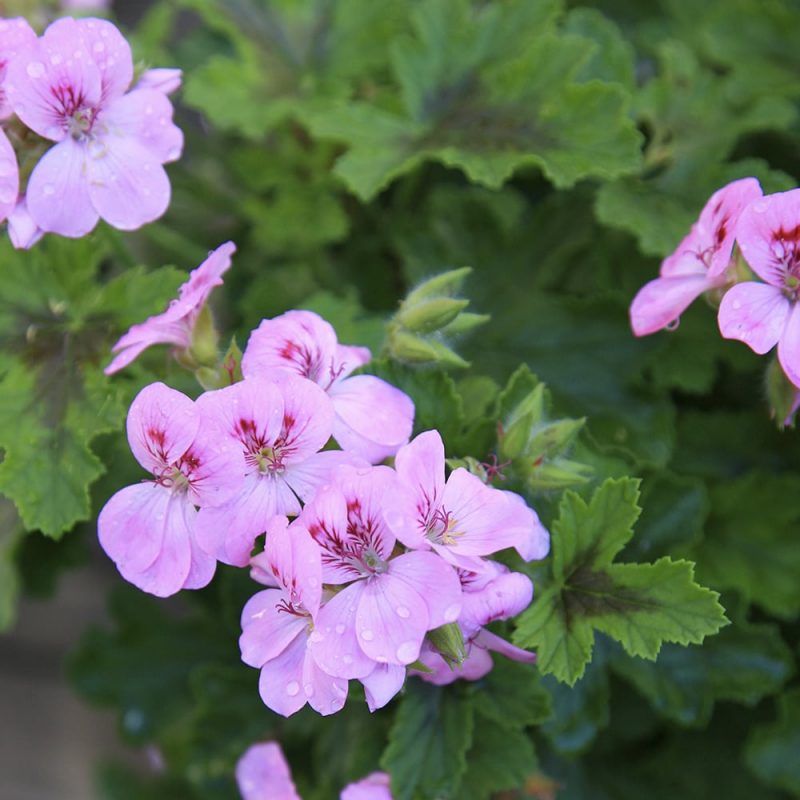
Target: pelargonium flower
[391, 601]
[15, 35]
[280, 423]
[262, 773]
[700, 262]
[277, 625]
[70, 87]
[175, 326]
[460, 519]
[493, 593]
[373, 418]
[148, 530]
[765, 314]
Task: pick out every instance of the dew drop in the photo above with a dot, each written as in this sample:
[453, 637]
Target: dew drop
[673, 326]
[315, 636]
[403, 612]
[407, 652]
[55, 59]
[292, 688]
[48, 189]
[98, 47]
[451, 613]
[737, 304]
[340, 629]
[308, 689]
[367, 635]
[348, 659]
[173, 154]
[35, 69]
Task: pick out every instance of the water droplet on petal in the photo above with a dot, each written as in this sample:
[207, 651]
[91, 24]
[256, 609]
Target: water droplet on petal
[55, 59]
[340, 629]
[315, 636]
[48, 189]
[292, 688]
[367, 635]
[403, 612]
[407, 652]
[348, 659]
[451, 613]
[673, 326]
[737, 304]
[308, 689]
[35, 69]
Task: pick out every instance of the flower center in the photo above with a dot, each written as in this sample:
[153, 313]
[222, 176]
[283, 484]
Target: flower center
[441, 528]
[269, 460]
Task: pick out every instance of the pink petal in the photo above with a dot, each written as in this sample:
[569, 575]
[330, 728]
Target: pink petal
[306, 477]
[391, 620]
[767, 233]
[111, 53]
[754, 313]
[146, 116]
[9, 176]
[162, 424]
[156, 330]
[382, 684]
[170, 570]
[281, 682]
[229, 531]
[203, 566]
[131, 526]
[214, 466]
[263, 774]
[373, 418]
[58, 191]
[333, 641]
[307, 416]
[325, 694]
[15, 35]
[295, 561]
[297, 341]
[661, 302]
[502, 598]
[533, 542]
[325, 518]
[789, 346]
[348, 358]
[477, 664]
[161, 79]
[266, 629]
[373, 787]
[203, 279]
[44, 78]
[434, 580]
[127, 184]
[491, 641]
[22, 230]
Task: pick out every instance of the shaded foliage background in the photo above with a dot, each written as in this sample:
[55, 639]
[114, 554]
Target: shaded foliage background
[352, 149]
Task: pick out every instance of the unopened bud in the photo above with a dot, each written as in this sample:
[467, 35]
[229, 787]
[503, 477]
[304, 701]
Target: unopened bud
[555, 437]
[449, 641]
[464, 323]
[411, 348]
[515, 439]
[204, 348]
[430, 315]
[558, 474]
[448, 283]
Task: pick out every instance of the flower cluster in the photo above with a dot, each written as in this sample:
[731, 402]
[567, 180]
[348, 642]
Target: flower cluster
[371, 569]
[757, 293]
[263, 774]
[70, 90]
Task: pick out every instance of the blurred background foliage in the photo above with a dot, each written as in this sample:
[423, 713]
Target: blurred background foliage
[353, 149]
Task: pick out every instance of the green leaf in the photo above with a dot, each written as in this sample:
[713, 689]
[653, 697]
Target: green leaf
[10, 534]
[639, 605]
[743, 663]
[429, 741]
[512, 695]
[487, 91]
[750, 543]
[500, 758]
[772, 749]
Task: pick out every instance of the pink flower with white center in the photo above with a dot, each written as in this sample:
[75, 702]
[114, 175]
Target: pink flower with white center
[70, 87]
[277, 625]
[700, 262]
[280, 424]
[148, 530]
[373, 418]
[9, 177]
[175, 326]
[493, 593]
[391, 601]
[262, 773]
[461, 519]
[15, 35]
[765, 314]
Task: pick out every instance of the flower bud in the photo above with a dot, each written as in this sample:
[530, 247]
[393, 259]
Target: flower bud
[559, 474]
[449, 641]
[411, 348]
[430, 315]
[204, 349]
[445, 284]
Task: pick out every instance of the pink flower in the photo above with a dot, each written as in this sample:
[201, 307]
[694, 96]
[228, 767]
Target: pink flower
[700, 262]
[278, 623]
[9, 177]
[162, 80]
[148, 530]
[373, 419]
[493, 593]
[765, 314]
[461, 519]
[15, 35]
[175, 326]
[263, 774]
[280, 424]
[69, 86]
[391, 600]
[22, 230]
